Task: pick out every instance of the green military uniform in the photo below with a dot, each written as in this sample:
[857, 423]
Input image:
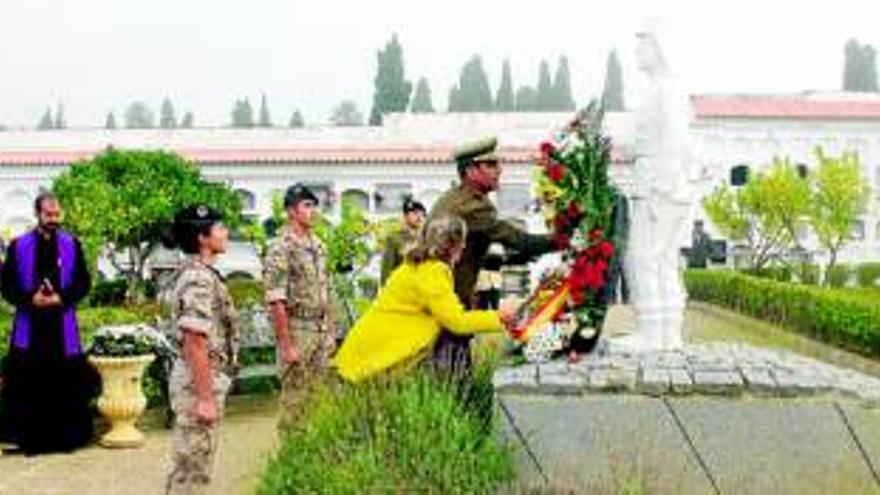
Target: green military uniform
[452, 352]
[295, 272]
[396, 246]
[200, 304]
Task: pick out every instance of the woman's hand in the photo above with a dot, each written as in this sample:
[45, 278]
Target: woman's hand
[507, 313]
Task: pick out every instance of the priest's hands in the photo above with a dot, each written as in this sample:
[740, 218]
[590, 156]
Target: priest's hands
[46, 297]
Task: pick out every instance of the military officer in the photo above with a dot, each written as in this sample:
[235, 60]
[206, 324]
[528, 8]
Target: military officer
[401, 239]
[299, 292]
[479, 170]
[204, 321]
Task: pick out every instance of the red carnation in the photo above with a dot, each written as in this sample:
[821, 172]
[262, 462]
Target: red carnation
[601, 266]
[595, 234]
[574, 211]
[606, 249]
[592, 252]
[577, 297]
[561, 241]
[560, 223]
[555, 172]
[547, 148]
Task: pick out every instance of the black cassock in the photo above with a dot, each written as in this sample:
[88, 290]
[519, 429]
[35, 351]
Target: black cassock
[46, 396]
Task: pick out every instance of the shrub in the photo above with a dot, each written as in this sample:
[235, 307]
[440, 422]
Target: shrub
[246, 292]
[838, 275]
[108, 293]
[843, 317]
[808, 273]
[405, 435]
[778, 273]
[868, 274]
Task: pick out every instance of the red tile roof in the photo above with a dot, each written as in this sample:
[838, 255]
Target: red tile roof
[292, 155]
[780, 107]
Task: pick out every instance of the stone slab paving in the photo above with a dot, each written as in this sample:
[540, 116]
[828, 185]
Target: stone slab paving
[247, 440]
[716, 368]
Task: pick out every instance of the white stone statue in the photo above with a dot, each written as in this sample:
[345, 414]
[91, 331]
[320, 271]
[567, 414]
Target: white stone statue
[661, 203]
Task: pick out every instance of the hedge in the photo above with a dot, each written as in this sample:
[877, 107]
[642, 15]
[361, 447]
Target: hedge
[842, 317]
[868, 274]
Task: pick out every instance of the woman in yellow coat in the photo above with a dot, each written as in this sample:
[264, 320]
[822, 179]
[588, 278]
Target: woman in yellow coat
[401, 326]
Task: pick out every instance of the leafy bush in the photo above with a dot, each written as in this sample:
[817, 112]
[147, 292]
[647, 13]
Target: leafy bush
[838, 275]
[108, 293]
[843, 317]
[405, 435]
[246, 293]
[868, 274]
[808, 273]
[778, 273]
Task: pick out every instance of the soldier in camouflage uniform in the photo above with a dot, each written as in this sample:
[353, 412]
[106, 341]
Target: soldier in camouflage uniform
[299, 292]
[400, 240]
[205, 330]
[479, 170]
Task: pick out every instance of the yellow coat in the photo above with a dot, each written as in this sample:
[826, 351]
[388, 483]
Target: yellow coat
[402, 325]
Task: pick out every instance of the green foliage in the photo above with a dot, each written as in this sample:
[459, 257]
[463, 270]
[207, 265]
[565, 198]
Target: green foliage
[246, 293]
[472, 94]
[60, 120]
[167, 116]
[139, 116]
[846, 318]
[841, 195]
[612, 94]
[136, 343]
[296, 120]
[188, 121]
[421, 102]
[562, 99]
[242, 114]
[347, 114]
[860, 67]
[409, 435]
[504, 99]
[838, 275]
[126, 199]
[392, 90]
[348, 242]
[767, 213]
[46, 122]
[265, 117]
[544, 99]
[808, 273]
[778, 273]
[868, 274]
[526, 99]
[108, 293]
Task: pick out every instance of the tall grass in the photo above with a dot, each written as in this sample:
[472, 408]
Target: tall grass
[402, 435]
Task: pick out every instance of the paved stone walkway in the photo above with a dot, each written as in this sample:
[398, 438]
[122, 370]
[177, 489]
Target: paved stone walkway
[714, 369]
[247, 439]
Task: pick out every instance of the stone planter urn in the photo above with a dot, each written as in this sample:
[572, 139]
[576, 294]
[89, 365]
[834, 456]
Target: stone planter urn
[122, 400]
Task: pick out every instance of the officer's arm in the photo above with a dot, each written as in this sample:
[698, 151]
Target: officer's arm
[275, 280]
[195, 351]
[526, 245]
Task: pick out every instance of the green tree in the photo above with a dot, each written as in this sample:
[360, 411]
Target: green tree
[526, 99]
[841, 195]
[60, 120]
[121, 203]
[767, 213]
[421, 102]
[296, 120]
[47, 123]
[860, 67]
[167, 116]
[242, 114]
[562, 99]
[188, 121]
[472, 94]
[392, 90]
[265, 118]
[110, 123]
[139, 116]
[545, 98]
[504, 99]
[346, 114]
[612, 94]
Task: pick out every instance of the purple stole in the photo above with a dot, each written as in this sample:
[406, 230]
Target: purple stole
[26, 258]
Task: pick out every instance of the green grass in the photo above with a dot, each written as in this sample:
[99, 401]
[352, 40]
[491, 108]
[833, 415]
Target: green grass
[404, 435]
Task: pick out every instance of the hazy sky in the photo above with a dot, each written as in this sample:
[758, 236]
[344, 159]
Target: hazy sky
[99, 55]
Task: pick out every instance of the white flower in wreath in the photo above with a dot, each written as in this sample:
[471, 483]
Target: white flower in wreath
[541, 347]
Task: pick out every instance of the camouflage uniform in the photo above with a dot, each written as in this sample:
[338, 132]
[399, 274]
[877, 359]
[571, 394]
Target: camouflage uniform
[395, 249]
[452, 352]
[295, 272]
[201, 304]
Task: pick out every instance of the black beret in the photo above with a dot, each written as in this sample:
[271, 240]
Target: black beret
[297, 193]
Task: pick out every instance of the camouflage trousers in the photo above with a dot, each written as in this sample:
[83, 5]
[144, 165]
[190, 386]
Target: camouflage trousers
[194, 444]
[300, 379]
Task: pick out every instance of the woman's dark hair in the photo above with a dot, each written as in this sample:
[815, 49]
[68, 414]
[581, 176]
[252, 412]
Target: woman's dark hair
[189, 224]
[437, 238]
